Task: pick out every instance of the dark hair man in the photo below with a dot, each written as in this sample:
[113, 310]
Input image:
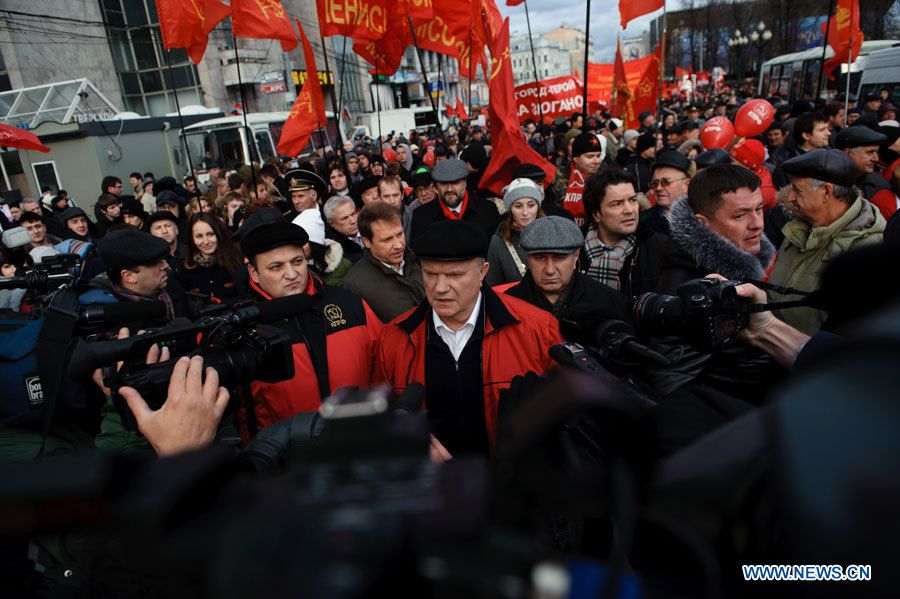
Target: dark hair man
[388, 276]
[332, 345]
[111, 185]
[620, 251]
[465, 343]
[390, 191]
[809, 132]
[108, 212]
[37, 231]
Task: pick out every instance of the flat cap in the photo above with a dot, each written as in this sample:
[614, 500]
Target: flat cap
[856, 136]
[167, 197]
[449, 240]
[158, 216]
[260, 217]
[672, 159]
[823, 164]
[551, 234]
[299, 179]
[127, 248]
[268, 236]
[585, 144]
[72, 212]
[450, 170]
[711, 157]
[526, 170]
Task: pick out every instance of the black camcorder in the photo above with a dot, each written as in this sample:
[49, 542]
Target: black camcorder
[48, 275]
[237, 343]
[707, 311]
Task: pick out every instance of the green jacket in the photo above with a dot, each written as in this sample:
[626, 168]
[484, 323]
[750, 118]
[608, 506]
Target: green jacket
[806, 250]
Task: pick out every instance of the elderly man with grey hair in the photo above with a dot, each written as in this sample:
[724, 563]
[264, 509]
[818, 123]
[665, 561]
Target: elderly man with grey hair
[340, 226]
[552, 246]
[831, 217]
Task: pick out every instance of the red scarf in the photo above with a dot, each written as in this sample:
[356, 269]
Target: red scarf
[450, 214]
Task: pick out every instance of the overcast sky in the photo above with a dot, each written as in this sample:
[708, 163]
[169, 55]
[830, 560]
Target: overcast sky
[550, 14]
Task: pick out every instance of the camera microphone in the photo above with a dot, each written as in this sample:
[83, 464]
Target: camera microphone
[277, 309]
[121, 312]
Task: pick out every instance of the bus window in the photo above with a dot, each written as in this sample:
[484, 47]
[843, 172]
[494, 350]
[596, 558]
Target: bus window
[275, 130]
[811, 71]
[199, 147]
[264, 145]
[784, 82]
[764, 88]
[230, 148]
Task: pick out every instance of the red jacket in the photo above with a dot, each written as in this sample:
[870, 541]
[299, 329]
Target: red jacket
[351, 331]
[517, 339]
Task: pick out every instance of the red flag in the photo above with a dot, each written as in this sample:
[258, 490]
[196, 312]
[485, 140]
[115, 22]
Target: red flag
[451, 111]
[308, 111]
[187, 24]
[419, 10]
[622, 105]
[359, 19]
[844, 35]
[645, 91]
[679, 72]
[632, 9]
[514, 2]
[385, 53]
[461, 110]
[263, 19]
[509, 146]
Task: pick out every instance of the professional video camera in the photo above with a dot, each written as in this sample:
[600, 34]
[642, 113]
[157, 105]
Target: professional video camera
[47, 276]
[235, 342]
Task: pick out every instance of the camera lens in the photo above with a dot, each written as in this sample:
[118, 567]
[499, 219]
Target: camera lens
[657, 314]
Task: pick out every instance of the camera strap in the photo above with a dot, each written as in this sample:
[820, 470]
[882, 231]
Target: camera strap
[756, 308]
[54, 348]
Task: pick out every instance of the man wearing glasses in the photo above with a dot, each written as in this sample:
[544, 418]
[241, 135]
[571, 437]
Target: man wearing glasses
[669, 182]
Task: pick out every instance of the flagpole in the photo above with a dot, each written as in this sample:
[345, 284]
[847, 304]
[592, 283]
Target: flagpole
[330, 75]
[244, 106]
[824, 49]
[537, 84]
[187, 149]
[377, 102]
[849, 60]
[471, 74]
[341, 82]
[662, 68]
[437, 118]
[587, 37]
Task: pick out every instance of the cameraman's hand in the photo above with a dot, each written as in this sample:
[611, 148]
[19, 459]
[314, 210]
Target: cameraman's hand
[189, 418]
[154, 355]
[437, 452]
[758, 322]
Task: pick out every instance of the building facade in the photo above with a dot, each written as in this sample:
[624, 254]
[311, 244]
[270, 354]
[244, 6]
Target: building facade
[553, 59]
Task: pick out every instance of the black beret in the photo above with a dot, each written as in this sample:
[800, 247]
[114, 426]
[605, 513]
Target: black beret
[269, 236]
[676, 128]
[585, 143]
[856, 136]
[72, 212]
[474, 154]
[527, 170]
[689, 124]
[823, 164]
[366, 184]
[158, 216]
[165, 183]
[673, 159]
[711, 157]
[645, 141]
[167, 197]
[449, 240]
[127, 248]
[134, 208]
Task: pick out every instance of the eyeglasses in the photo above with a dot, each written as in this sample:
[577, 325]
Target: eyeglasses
[664, 182]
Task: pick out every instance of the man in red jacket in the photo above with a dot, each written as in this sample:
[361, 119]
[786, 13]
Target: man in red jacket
[333, 344]
[465, 343]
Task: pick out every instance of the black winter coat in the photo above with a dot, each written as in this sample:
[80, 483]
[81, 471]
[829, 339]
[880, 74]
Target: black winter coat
[479, 211]
[584, 292]
[213, 282]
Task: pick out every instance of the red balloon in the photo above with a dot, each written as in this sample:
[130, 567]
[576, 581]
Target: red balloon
[754, 118]
[717, 132]
[429, 158]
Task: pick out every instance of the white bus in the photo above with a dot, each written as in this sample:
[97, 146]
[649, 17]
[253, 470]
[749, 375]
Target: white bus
[794, 76]
[227, 139]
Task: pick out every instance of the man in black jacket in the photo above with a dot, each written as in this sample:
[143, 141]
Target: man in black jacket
[552, 281]
[454, 202]
[341, 226]
[620, 252]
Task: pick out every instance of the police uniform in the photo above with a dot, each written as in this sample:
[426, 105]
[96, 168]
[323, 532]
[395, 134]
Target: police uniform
[301, 179]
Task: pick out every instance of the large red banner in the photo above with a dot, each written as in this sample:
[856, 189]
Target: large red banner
[360, 19]
[558, 97]
[642, 77]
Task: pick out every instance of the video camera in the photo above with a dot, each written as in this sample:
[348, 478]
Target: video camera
[47, 276]
[235, 342]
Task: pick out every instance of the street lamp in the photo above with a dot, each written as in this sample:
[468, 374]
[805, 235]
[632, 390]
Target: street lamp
[737, 43]
[760, 37]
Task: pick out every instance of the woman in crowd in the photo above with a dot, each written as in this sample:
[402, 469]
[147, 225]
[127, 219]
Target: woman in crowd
[198, 205]
[212, 260]
[522, 198]
[338, 181]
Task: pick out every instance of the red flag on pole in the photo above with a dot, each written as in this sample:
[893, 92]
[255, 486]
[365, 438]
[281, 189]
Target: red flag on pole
[187, 24]
[632, 9]
[263, 19]
[308, 111]
[461, 109]
[359, 19]
[509, 148]
[451, 111]
[514, 2]
[622, 93]
[844, 35]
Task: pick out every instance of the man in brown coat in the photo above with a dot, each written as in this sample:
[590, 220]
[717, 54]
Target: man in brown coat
[387, 276]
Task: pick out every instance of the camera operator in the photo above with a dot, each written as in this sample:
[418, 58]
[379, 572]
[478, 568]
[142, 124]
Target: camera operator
[552, 245]
[465, 344]
[333, 345]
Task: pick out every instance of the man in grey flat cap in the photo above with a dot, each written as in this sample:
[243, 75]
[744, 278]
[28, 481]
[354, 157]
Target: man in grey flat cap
[454, 202]
[553, 282]
[831, 217]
